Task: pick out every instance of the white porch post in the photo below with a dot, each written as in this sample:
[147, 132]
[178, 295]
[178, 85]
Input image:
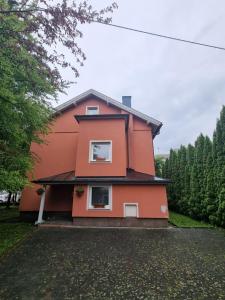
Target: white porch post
[41, 209]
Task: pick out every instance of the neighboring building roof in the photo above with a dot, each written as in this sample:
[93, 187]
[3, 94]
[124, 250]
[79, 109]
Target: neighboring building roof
[155, 124]
[132, 177]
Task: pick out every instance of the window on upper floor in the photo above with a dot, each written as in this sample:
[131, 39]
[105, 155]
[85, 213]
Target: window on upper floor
[100, 197]
[92, 110]
[100, 151]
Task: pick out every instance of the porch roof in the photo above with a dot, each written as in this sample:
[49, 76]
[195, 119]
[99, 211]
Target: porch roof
[132, 177]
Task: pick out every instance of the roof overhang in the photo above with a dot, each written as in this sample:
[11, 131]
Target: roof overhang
[132, 177]
[103, 117]
[155, 124]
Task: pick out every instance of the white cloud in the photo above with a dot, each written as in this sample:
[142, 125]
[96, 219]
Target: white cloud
[182, 85]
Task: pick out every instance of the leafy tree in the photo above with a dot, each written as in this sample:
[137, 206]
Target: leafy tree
[48, 26]
[30, 63]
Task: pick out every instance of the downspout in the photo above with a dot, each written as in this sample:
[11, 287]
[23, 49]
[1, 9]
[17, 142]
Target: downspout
[127, 138]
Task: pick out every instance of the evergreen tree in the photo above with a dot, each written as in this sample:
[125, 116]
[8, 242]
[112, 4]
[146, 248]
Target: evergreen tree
[221, 207]
[172, 172]
[196, 180]
[159, 162]
[198, 177]
[182, 160]
[219, 171]
[188, 168]
[208, 180]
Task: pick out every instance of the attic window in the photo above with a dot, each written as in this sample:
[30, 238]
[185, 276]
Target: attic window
[92, 110]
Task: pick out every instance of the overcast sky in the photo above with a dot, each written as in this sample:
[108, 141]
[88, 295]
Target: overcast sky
[181, 85]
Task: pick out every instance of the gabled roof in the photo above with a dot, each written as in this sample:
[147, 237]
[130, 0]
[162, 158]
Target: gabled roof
[155, 124]
[132, 177]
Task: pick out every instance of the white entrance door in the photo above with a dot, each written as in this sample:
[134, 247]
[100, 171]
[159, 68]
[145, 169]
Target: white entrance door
[131, 210]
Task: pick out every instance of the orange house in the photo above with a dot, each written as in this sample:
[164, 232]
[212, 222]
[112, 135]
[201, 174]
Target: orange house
[97, 166]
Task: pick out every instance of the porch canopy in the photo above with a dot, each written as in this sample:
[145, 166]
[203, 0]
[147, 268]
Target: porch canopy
[68, 178]
[132, 177]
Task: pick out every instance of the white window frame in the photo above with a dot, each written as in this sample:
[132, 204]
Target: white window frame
[89, 196]
[91, 106]
[130, 203]
[91, 154]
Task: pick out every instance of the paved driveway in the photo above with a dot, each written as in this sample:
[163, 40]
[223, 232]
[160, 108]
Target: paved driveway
[116, 264]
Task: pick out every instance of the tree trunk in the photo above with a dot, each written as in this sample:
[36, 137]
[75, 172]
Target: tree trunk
[8, 200]
[15, 197]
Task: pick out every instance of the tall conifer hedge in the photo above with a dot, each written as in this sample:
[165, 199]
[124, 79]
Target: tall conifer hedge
[198, 177]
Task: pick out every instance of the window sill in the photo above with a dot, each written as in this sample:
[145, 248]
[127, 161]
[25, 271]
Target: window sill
[90, 208]
[100, 162]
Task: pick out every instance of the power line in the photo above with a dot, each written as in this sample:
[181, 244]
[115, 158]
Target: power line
[21, 11]
[161, 35]
[128, 28]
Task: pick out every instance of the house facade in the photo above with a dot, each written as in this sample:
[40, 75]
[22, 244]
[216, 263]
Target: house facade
[97, 166]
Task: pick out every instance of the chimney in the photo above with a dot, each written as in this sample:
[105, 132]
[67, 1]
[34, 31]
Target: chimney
[126, 100]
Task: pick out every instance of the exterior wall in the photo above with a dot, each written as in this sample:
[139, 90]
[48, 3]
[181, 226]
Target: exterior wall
[65, 122]
[149, 199]
[113, 130]
[142, 157]
[58, 198]
[54, 157]
[67, 147]
[58, 154]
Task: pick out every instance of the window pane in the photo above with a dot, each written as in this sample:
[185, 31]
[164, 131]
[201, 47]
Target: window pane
[92, 110]
[101, 151]
[100, 195]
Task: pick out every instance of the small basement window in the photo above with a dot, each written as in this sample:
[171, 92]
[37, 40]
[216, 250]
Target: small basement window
[92, 110]
[100, 151]
[100, 197]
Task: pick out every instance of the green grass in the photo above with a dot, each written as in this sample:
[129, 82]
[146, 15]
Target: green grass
[12, 212]
[11, 229]
[184, 221]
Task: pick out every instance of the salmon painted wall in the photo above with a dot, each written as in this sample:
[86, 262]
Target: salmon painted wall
[142, 148]
[58, 198]
[111, 130]
[149, 199]
[60, 153]
[65, 122]
[53, 158]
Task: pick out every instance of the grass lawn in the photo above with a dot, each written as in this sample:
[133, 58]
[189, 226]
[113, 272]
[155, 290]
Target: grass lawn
[184, 221]
[10, 213]
[12, 230]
